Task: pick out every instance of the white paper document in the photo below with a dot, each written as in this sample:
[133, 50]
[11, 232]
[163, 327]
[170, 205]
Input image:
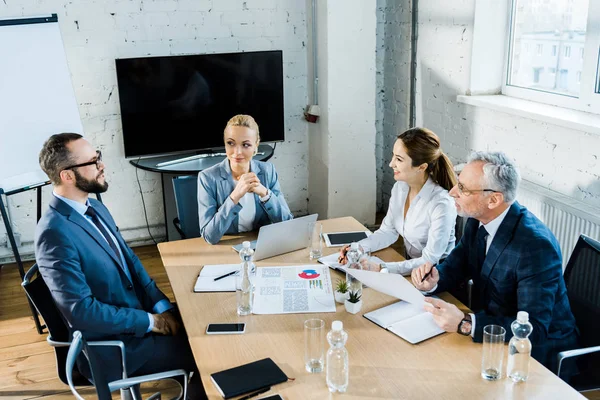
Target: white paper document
[206, 280]
[332, 261]
[403, 319]
[391, 284]
[293, 289]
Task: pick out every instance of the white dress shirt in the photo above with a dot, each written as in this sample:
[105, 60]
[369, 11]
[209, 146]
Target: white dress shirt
[427, 230]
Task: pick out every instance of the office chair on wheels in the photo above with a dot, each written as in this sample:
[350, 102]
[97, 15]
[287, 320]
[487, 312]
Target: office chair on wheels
[582, 278]
[59, 336]
[186, 200]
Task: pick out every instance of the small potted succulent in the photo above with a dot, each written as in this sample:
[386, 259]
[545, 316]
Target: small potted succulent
[354, 303]
[341, 291]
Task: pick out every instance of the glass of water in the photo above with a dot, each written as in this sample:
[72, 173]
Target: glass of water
[314, 345]
[315, 231]
[493, 352]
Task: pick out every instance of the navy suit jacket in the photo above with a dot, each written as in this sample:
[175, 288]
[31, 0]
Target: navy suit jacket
[218, 215]
[522, 271]
[89, 286]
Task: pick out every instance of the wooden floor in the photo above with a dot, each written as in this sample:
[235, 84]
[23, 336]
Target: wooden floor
[27, 365]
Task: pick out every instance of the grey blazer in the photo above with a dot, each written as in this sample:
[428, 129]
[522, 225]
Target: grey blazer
[216, 212]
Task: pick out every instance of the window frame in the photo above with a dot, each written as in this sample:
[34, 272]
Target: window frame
[589, 96]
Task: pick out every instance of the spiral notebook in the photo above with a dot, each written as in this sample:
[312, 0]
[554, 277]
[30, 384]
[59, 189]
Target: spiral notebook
[206, 279]
[248, 378]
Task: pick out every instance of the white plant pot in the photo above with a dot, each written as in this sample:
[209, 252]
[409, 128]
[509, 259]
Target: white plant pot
[341, 297]
[353, 308]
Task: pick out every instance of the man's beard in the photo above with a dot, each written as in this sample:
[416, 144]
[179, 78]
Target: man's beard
[89, 185]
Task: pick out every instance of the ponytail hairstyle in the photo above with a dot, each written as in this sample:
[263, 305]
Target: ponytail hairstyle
[245, 121]
[423, 147]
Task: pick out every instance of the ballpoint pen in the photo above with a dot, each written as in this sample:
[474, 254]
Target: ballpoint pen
[225, 276]
[261, 391]
[427, 274]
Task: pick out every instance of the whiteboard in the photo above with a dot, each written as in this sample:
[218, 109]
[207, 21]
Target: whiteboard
[36, 98]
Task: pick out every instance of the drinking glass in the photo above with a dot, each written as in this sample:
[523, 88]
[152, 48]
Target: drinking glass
[493, 352]
[314, 345]
[315, 230]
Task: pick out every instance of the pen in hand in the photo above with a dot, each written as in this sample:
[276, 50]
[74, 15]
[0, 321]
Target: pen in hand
[427, 274]
[225, 276]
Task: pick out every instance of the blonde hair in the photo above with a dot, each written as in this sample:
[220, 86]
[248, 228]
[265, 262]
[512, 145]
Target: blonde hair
[246, 121]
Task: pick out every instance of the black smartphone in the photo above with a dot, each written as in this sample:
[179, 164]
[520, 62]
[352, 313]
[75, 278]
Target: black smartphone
[272, 397]
[225, 329]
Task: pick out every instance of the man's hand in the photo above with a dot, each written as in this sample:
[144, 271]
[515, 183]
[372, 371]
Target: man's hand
[446, 315]
[172, 321]
[160, 325]
[429, 283]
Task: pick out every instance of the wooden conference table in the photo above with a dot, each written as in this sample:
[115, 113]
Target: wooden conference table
[382, 365]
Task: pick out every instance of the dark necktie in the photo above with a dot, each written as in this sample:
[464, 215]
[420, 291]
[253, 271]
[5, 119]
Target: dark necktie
[92, 213]
[482, 234]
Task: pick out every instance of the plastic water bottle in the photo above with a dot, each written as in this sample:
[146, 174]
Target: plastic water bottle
[353, 256]
[519, 348]
[337, 359]
[244, 280]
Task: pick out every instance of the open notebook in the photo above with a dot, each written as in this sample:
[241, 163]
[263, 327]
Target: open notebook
[206, 280]
[411, 323]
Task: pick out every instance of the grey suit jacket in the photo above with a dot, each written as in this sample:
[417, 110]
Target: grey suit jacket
[88, 284]
[216, 212]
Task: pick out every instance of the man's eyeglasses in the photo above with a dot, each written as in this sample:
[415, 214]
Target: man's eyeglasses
[96, 161]
[467, 192]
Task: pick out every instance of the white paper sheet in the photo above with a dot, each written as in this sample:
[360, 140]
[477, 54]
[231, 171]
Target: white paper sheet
[206, 280]
[293, 289]
[391, 284]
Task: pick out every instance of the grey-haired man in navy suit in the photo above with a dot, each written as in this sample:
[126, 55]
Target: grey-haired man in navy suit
[513, 258]
[98, 284]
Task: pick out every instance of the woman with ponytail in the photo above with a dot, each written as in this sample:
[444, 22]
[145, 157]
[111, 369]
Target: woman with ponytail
[420, 209]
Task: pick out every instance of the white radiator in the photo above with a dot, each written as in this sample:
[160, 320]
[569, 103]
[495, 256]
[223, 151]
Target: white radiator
[566, 217]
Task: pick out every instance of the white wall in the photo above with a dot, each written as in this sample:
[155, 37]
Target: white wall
[97, 32]
[561, 159]
[342, 179]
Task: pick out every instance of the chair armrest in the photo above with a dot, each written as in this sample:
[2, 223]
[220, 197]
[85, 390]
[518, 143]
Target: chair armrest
[116, 343]
[574, 353]
[136, 380]
[55, 343]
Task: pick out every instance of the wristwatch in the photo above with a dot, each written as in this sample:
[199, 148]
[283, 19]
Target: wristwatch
[465, 326]
[384, 269]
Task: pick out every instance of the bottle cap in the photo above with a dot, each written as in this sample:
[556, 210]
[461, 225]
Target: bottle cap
[246, 244]
[354, 246]
[337, 326]
[523, 316]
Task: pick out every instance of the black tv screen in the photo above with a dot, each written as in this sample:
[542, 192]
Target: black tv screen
[186, 101]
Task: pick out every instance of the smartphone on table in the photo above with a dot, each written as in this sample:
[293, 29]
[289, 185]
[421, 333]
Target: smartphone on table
[226, 329]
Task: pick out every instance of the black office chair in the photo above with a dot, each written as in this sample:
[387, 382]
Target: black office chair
[186, 201]
[101, 384]
[58, 333]
[59, 337]
[582, 277]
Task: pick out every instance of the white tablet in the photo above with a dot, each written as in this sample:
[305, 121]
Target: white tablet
[338, 239]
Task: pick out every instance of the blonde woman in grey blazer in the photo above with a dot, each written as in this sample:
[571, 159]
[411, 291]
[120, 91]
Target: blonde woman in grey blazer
[239, 194]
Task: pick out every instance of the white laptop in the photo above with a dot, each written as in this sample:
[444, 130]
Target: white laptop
[281, 237]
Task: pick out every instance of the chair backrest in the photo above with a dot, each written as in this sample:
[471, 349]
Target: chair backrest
[40, 296]
[100, 383]
[582, 278]
[186, 201]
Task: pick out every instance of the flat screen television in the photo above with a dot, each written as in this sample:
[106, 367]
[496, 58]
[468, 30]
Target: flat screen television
[181, 104]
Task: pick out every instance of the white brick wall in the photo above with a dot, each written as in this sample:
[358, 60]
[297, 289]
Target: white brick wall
[96, 32]
[561, 159]
[393, 87]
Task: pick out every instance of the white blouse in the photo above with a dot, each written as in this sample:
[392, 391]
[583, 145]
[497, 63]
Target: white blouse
[247, 213]
[428, 230]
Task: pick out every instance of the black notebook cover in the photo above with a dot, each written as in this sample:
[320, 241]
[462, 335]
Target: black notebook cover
[248, 378]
